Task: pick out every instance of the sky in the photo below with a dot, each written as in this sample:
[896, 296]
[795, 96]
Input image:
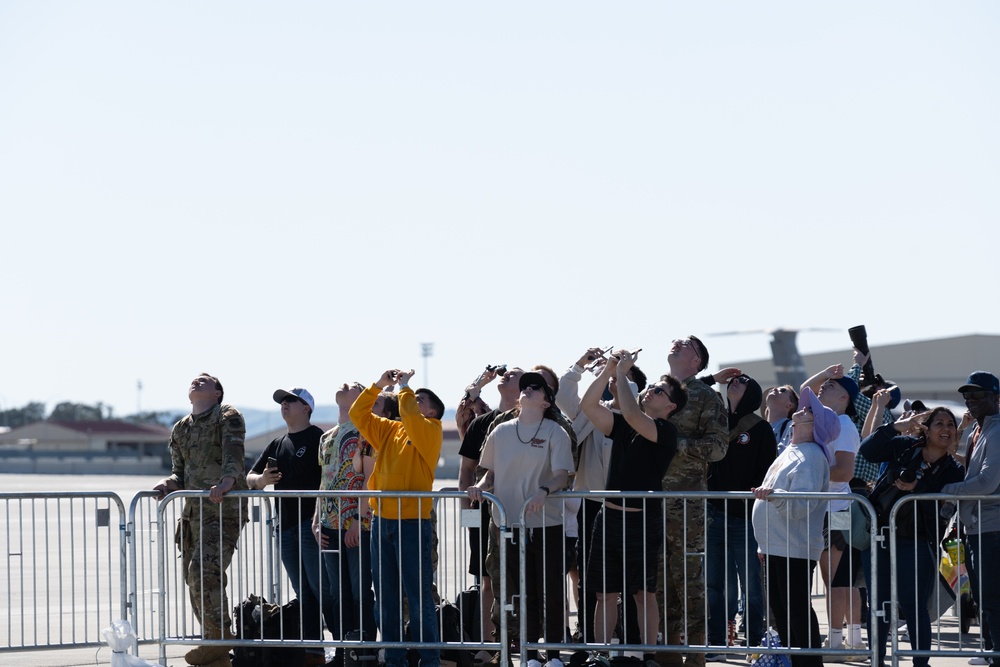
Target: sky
[300, 194]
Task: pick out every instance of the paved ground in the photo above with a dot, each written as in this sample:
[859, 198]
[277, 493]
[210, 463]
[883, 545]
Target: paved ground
[947, 637]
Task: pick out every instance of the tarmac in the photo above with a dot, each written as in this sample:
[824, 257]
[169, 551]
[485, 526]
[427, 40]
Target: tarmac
[947, 636]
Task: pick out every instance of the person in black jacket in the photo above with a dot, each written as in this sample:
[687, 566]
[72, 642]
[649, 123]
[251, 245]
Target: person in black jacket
[731, 550]
[920, 464]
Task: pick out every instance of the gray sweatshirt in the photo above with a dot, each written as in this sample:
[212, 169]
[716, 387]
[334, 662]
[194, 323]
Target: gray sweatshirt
[793, 528]
[982, 478]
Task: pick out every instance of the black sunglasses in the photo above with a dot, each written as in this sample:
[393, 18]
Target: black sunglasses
[533, 387]
[976, 395]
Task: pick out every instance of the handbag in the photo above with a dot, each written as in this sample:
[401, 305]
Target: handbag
[770, 640]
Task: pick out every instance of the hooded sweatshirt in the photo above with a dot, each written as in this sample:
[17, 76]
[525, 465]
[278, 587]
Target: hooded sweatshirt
[752, 448]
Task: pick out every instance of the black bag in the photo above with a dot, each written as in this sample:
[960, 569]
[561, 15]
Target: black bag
[256, 618]
[469, 605]
[450, 629]
[360, 655]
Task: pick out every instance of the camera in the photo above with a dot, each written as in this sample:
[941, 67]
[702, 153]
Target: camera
[870, 381]
[914, 470]
[499, 369]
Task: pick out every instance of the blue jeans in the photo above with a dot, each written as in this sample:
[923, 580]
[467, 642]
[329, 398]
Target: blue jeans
[349, 577]
[300, 556]
[401, 563]
[916, 576]
[731, 552]
[984, 552]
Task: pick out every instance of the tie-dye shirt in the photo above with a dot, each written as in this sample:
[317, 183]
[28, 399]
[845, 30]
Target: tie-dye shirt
[337, 448]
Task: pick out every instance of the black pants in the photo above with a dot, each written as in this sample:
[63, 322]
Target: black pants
[544, 586]
[789, 581]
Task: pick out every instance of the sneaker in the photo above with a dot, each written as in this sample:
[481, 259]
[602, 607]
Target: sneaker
[482, 658]
[978, 661]
[554, 662]
[715, 657]
[534, 663]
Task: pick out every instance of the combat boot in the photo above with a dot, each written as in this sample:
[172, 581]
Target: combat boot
[207, 655]
[670, 659]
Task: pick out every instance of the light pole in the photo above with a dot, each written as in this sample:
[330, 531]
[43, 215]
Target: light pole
[426, 350]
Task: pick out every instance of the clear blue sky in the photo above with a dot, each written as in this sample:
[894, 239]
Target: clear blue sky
[301, 193]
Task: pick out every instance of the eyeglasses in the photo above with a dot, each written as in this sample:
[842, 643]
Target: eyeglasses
[742, 379]
[686, 342]
[976, 395]
[533, 387]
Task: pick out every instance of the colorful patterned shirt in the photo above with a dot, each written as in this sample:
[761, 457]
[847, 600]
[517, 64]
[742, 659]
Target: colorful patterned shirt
[337, 449]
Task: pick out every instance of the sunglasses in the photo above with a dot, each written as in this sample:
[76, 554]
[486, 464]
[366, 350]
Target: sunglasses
[533, 387]
[660, 391]
[742, 379]
[976, 395]
[291, 399]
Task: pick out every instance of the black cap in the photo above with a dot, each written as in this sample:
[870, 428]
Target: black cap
[532, 378]
[981, 380]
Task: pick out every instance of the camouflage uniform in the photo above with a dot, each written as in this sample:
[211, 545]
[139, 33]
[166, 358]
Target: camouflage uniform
[203, 449]
[703, 437]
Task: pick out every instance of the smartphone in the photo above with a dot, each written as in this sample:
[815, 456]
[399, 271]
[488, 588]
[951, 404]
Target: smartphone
[272, 462]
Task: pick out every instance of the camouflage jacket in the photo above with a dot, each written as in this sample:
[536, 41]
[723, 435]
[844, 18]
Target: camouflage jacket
[702, 438]
[207, 447]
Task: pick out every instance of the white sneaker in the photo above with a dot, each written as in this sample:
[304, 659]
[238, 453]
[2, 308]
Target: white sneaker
[554, 662]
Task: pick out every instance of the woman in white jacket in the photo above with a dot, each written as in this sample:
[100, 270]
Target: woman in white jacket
[789, 532]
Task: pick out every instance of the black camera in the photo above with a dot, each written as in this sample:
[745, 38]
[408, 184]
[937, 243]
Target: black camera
[914, 470]
[870, 381]
[499, 369]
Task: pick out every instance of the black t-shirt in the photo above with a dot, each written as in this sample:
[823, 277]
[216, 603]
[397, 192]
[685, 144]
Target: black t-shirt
[475, 435]
[638, 464]
[298, 462]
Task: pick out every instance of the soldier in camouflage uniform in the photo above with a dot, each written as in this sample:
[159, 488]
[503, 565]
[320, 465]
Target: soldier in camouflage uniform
[206, 453]
[702, 438]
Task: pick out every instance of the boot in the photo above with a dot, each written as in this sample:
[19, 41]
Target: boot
[695, 659]
[207, 655]
[670, 659]
[224, 661]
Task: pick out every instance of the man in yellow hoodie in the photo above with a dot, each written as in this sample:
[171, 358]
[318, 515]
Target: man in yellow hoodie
[407, 453]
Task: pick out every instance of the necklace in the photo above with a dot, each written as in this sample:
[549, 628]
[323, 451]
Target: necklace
[517, 430]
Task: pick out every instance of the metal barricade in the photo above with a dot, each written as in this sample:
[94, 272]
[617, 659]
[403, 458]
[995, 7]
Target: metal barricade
[688, 616]
[65, 577]
[177, 624]
[940, 576]
[143, 562]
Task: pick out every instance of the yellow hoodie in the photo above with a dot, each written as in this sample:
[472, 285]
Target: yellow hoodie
[408, 453]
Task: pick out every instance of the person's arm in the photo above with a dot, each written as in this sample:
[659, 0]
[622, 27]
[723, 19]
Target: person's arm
[828, 373]
[722, 377]
[627, 403]
[234, 431]
[568, 396]
[175, 482]
[599, 415]
[881, 400]
[842, 469]
[374, 429]
[261, 474]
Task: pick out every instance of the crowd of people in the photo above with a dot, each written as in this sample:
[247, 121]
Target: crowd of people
[648, 569]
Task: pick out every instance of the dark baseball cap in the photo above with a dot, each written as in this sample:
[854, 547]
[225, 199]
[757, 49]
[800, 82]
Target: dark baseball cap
[849, 385]
[981, 380]
[537, 379]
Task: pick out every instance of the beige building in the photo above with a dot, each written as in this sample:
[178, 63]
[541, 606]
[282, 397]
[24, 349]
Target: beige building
[931, 370]
[108, 446]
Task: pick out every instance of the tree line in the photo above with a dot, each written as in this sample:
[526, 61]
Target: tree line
[69, 411]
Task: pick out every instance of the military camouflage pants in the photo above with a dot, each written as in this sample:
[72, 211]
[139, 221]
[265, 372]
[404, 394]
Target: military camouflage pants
[207, 545]
[680, 586]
